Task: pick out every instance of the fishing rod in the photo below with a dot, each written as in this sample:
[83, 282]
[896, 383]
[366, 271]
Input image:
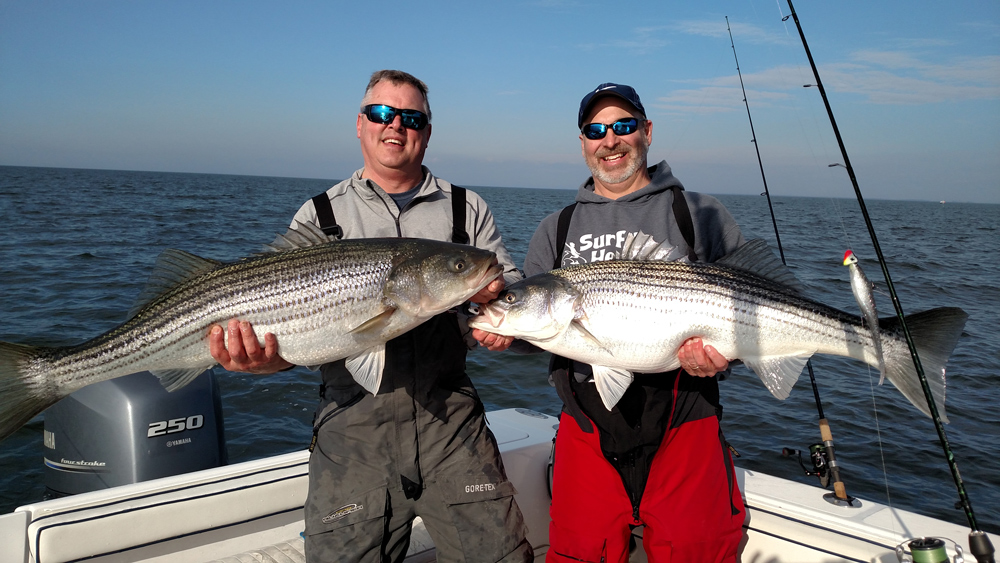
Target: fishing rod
[839, 496]
[979, 543]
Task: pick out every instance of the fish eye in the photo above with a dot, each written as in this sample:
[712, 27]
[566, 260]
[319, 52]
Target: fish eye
[459, 265]
[509, 297]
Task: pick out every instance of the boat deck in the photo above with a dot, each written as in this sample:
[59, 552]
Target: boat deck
[421, 550]
[252, 512]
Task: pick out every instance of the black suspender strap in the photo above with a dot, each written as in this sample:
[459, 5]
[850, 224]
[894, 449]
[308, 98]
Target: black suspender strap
[561, 368]
[683, 217]
[328, 222]
[324, 213]
[458, 233]
[561, 230]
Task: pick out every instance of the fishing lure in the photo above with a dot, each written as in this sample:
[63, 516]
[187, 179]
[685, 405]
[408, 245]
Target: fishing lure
[865, 297]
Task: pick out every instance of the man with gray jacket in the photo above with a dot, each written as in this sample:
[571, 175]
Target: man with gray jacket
[421, 446]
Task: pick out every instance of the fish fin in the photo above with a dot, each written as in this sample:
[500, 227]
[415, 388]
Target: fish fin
[611, 384]
[935, 334]
[174, 379]
[640, 246]
[375, 323]
[757, 258]
[589, 336]
[302, 235]
[173, 267]
[22, 397]
[779, 373]
[367, 366]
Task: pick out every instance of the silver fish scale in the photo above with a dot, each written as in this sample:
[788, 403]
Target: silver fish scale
[737, 308]
[307, 291]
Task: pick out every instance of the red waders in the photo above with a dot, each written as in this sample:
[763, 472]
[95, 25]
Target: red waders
[687, 506]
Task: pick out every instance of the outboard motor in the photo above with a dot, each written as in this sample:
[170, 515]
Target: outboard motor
[130, 429]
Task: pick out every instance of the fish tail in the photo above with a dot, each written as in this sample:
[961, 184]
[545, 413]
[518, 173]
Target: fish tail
[21, 395]
[935, 334]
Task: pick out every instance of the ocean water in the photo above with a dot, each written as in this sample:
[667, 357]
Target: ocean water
[77, 246]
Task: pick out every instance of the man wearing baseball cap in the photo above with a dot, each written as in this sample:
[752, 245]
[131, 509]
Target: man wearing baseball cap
[658, 459]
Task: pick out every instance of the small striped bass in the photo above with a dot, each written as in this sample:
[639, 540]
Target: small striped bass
[632, 315]
[324, 300]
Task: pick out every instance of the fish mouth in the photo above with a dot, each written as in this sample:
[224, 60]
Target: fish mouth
[489, 274]
[488, 317]
[496, 317]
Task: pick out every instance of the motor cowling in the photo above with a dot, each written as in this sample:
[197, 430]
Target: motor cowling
[130, 429]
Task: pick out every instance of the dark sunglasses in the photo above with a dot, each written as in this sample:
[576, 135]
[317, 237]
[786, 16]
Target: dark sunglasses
[381, 113]
[595, 131]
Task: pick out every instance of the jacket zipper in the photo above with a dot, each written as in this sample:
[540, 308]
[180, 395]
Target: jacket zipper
[636, 500]
[395, 218]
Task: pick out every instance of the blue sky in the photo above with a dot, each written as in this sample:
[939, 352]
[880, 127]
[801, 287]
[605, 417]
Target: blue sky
[272, 88]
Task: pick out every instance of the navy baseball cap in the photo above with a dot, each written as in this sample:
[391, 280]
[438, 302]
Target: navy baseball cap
[624, 92]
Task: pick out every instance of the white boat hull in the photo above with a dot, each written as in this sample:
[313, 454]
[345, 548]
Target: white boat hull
[253, 512]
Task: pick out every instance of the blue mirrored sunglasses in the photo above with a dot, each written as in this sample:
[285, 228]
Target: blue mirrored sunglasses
[595, 131]
[381, 113]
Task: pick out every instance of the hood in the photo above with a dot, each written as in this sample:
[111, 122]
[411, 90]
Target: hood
[661, 178]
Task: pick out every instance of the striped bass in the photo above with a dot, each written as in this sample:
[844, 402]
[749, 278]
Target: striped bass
[631, 315]
[324, 300]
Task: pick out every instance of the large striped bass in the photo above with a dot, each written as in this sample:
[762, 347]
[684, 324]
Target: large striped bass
[624, 316]
[323, 300]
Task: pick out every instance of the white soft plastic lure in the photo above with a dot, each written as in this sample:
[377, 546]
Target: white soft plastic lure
[865, 297]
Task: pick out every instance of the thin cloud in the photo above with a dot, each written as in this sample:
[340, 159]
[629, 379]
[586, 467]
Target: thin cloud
[882, 77]
[641, 45]
[648, 39]
[989, 28]
[901, 77]
[884, 87]
[555, 4]
[716, 99]
[642, 41]
[888, 59]
[981, 70]
[716, 29]
[922, 43]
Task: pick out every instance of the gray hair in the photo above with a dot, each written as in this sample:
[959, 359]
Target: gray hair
[398, 78]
